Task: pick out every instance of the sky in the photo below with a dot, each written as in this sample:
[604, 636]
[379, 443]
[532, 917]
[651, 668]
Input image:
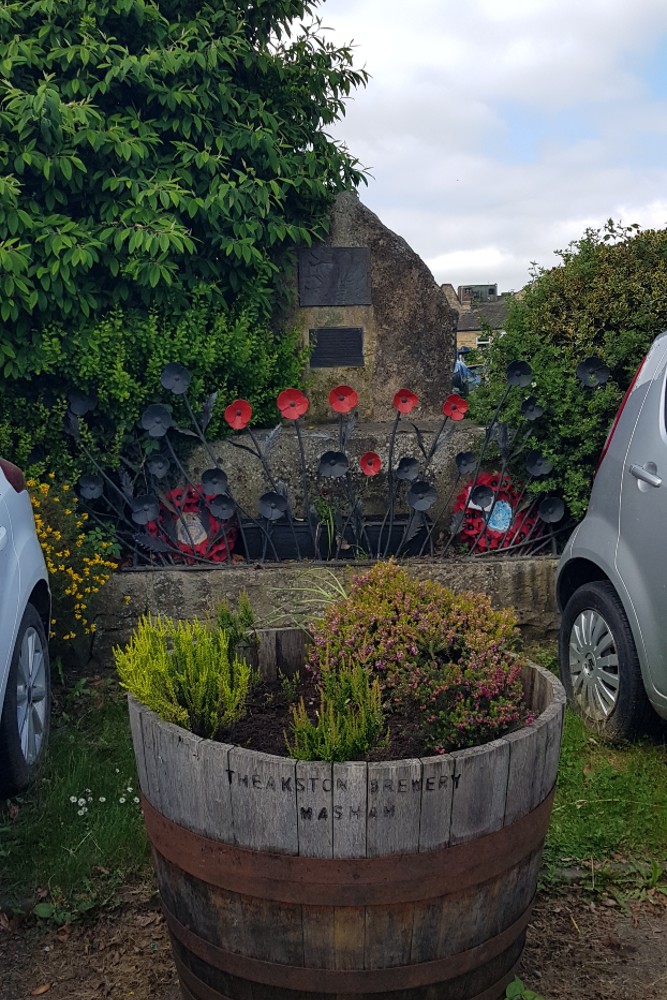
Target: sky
[497, 131]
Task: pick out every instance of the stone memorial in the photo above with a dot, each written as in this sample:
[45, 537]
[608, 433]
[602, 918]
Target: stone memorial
[374, 316]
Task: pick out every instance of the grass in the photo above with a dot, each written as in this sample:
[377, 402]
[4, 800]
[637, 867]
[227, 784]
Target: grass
[78, 834]
[611, 801]
[610, 812]
[609, 821]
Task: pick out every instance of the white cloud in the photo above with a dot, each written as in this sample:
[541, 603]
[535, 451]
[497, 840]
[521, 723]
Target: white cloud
[497, 130]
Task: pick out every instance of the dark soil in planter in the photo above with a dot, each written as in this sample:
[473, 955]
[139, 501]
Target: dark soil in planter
[269, 717]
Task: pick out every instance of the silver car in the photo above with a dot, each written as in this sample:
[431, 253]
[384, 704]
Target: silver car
[25, 611]
[612, 576]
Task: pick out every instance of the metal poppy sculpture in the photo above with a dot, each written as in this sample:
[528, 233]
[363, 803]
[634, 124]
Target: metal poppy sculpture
[333, 464]
[592, 373]
[293, 405]
[162, 516]
[494, 511]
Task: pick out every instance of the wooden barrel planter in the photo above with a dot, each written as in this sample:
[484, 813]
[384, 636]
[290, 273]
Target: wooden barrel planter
[410, 879]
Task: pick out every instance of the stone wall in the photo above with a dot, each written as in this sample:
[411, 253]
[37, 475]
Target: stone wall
[276, 591]
[247, 480]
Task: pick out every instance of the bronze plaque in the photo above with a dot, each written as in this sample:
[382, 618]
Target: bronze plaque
[337, 347]
[335, 276]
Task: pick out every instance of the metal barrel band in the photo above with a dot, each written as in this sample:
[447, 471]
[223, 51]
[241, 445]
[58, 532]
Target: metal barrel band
[350, 981]
[193, 988]
[404, 878]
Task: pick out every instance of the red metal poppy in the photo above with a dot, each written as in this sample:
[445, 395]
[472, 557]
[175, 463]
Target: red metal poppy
[292, 404]
[405, 401]
[343, 398]
[455, 407]
[370, 463]
[238, 414]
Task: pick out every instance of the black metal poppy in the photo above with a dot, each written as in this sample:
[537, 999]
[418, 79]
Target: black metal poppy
[537, 464]
[222, 507]
[457, 522]
[81, 403]
[333, 464]
[156, 419]
[421, 495]
[214, 481]
[482, 496]
[176, 378]
[531, 409]
[519, 373]
[145, 508]
[272, 505]
[158, 466]
[90, 487]
[551, 510]
[407, 469]
[592, 372]
[465, 462]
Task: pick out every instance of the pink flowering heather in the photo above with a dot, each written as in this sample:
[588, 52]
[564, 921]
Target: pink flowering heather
[443, 655]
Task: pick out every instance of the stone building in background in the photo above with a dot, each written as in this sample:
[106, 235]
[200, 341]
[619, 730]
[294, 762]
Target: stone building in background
[481, 313]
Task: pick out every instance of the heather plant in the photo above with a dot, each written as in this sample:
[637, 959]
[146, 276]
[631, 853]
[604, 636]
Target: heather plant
[185, 672]
[238, 623]
[350, 718]
[443, 655]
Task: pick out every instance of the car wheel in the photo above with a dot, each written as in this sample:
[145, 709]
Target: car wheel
[599, 666]
[24, 724]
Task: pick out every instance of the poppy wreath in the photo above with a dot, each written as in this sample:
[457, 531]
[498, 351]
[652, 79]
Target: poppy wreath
[507, 525]
[210, 541]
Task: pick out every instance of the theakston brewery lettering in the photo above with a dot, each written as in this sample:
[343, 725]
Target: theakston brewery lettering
[304, 786]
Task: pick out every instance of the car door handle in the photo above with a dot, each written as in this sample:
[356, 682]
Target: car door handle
[4, 537]
[639, 472]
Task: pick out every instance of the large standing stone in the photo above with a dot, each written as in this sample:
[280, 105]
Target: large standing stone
[380, 319]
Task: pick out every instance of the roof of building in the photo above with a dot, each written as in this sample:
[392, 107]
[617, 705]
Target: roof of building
[494, 314]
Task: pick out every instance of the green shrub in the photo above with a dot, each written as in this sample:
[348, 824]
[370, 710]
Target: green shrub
[184, 672]
[120, 355]
[440, 654]
[350, 719]
[79, 562]
[150, 145]
[608, 299]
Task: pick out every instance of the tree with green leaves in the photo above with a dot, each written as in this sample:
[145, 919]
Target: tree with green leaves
[608, 299]
[150, 148]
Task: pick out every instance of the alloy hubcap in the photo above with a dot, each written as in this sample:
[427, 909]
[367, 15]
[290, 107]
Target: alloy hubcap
[31, 695]
[593, 664]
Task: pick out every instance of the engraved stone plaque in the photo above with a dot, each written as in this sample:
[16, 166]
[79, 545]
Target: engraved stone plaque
[337, 347]
[335, 276]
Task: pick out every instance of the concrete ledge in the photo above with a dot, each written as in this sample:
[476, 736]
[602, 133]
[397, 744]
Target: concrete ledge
[525, 584]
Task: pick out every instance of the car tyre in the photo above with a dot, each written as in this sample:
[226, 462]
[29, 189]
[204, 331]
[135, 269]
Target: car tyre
[599, 666]
[25, 720]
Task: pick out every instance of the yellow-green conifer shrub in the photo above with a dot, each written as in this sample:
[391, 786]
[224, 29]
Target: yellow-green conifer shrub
[184, 672]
